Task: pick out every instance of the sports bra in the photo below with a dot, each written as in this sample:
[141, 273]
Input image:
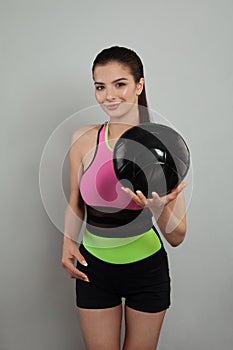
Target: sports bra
[117, 229]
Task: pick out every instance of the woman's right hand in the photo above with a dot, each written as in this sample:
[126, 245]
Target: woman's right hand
[71, 252]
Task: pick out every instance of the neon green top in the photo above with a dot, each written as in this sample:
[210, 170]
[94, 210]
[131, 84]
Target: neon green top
[122, 252]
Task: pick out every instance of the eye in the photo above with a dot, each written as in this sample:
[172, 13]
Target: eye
[120, 84]
[99, 87]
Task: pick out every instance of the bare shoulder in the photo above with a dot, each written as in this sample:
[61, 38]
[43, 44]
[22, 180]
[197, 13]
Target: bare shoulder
[85, 133]
[84, 140]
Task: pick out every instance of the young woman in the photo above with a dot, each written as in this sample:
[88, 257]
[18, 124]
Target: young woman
[110, 267]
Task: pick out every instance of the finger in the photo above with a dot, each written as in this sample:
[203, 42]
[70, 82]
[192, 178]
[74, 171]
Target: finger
[77, 255]
[175, 192]
[160, 202]
[182, 186]
[81, 259]
[141, 197]
[155, 195]
[179, 188]
[73, 271]
[128, 190]
[136, 199]
[157, 199]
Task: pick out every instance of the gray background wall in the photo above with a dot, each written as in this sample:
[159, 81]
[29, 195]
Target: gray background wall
[47, 48]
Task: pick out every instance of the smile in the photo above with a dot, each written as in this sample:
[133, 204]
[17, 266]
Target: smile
[112, 106]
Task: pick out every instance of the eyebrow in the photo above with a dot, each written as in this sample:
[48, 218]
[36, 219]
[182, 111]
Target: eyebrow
[115, 81]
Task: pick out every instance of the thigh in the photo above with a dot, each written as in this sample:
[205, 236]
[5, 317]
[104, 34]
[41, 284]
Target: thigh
[142, 329]
[101, 328]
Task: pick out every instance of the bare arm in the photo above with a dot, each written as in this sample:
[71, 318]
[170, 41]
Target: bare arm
[75, 211]
[172, 220]
[74, 215]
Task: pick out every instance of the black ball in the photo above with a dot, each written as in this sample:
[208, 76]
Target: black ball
[151, 157]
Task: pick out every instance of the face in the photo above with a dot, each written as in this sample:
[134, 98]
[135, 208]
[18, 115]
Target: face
[116, 90]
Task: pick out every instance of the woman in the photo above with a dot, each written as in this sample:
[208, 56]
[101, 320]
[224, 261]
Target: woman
[110, 267]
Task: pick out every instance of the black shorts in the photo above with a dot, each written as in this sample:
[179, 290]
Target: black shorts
[145, 284]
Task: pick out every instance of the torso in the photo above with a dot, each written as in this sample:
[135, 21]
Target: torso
[101, 193]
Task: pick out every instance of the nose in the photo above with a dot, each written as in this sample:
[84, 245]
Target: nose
[110, 94]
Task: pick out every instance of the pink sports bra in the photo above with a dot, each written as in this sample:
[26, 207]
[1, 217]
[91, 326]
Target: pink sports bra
[99, 185]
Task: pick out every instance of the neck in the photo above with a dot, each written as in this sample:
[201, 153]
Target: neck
[125, 121]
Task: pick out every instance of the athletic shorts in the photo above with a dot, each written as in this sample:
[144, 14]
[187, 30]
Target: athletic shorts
[145, 284]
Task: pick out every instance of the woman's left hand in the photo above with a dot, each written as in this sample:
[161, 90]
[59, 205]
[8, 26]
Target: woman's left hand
[156, 203]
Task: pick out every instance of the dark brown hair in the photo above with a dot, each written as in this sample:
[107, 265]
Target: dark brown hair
[128, 58]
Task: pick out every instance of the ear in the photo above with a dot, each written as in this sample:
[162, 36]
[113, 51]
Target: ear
[140, 85]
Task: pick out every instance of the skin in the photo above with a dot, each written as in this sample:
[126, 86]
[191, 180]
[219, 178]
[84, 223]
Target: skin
[117, 93]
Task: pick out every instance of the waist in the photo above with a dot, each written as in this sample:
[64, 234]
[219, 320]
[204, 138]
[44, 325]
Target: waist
[123, 250]
[115, 222]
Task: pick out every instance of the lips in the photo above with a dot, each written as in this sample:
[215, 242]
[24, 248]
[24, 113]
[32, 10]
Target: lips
[112, 106]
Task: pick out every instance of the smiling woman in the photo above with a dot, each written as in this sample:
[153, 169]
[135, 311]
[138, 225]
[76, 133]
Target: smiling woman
[118, 97]
[121, 254]
[131, 71]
